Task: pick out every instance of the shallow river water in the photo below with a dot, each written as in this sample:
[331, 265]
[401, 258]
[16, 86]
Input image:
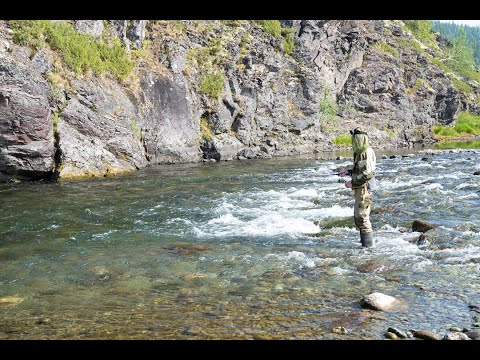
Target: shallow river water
[257, 249]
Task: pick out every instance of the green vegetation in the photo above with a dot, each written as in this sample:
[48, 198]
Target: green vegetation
[55, 121]
[422, 30]
[244, 42]
[474, 144]
[274, 28]
[135, 128]
[208, 60]
[411, 44]
[461, 85]
[457, 57]
[384, 47]
[287, 40]
[467, 125]
[206, 129]
[328, 109]
[419, 83]
[79, 51]
[391, 133]
[211, 84]
[450, 32]
[344, 139]
[438, 62]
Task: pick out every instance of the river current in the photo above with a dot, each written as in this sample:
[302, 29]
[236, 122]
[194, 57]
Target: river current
[256, 249]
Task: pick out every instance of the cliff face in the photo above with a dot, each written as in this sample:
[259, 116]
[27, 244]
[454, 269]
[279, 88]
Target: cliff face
[271, 102]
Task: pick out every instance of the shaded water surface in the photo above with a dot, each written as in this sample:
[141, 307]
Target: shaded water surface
[258, 249]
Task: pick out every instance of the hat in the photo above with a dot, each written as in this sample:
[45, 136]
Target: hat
[357, 131]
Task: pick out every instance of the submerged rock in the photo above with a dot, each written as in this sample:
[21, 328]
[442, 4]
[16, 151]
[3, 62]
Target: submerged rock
[422, 240]
[11, 300]
[339, 330]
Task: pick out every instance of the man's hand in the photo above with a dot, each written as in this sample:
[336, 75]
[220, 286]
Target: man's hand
[348, 184]
[343, 173]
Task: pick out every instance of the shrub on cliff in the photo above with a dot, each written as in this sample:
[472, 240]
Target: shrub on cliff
[80, 52]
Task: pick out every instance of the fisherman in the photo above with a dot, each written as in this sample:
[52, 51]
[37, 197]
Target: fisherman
[363, 180]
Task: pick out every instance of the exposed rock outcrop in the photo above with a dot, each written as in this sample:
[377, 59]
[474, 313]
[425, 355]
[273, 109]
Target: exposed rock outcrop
[26, 129]
[340, 74]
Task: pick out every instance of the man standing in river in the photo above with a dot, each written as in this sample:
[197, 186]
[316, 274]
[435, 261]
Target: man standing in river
[362, 173]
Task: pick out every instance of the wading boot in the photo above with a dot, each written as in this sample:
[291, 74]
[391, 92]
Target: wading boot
[366, 239]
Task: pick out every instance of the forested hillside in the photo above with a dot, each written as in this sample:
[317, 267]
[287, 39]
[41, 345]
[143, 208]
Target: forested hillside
[451, 31]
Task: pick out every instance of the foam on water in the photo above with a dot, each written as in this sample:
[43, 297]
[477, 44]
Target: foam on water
[468, 196]
[269, 224]
[393, 185]
[464, 185]
[433, 186]
[297, 258]
[304, 193]
[421, 165]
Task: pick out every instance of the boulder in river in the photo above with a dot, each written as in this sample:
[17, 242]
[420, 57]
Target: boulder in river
[378, 301]
[456, 336]
[474, 335]
[422, 226]
[425, 335]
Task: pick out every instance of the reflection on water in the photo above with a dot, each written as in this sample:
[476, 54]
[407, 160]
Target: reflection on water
[465, 144]
[258, 249]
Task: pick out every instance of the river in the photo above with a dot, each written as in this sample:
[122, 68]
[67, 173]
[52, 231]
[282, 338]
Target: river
[255, 249]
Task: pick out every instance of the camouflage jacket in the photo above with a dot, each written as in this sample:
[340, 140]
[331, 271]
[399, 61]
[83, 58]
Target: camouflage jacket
[364, 164]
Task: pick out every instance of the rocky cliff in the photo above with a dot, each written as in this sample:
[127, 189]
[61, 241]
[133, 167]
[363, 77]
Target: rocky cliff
[220, 90]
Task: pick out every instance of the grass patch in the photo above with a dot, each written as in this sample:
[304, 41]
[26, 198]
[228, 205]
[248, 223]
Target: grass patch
[55, 121]
[462, 86]
[419, 83]
[439, 63]
[385, 48]
[411, 44]
[206, 129]
[211, 84]
[287, 40]
[422, 30]
[344, 139]
[467, 125]
[81, 52]
[273, 27]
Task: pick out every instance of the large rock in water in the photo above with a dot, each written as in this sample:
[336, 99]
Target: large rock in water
[422, 226]
[425, 335]
[26, 129]
[378, 301]
[456, 336]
